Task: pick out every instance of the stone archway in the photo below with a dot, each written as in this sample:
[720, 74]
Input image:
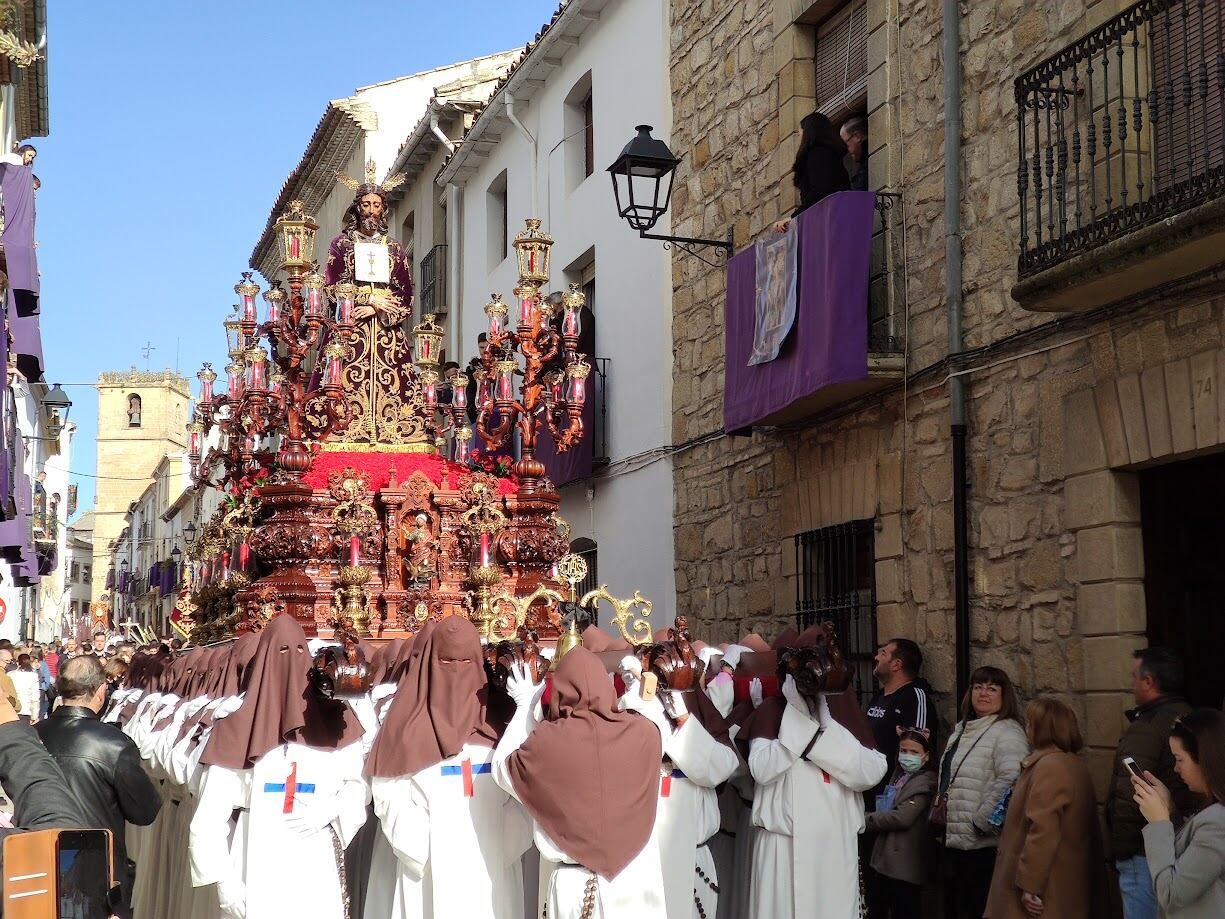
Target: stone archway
[1168, 412]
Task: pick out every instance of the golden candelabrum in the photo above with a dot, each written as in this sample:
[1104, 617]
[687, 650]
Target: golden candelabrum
[553, 380]
[481, 522]
[351, 599]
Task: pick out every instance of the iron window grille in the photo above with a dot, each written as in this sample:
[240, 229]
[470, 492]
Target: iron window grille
[433, 298]
[836, 582]
[1121, 129]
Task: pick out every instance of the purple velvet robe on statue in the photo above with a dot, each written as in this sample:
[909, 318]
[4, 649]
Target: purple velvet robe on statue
[380, 383]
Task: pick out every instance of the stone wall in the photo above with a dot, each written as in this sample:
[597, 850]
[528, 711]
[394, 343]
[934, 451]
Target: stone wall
[1056, 591]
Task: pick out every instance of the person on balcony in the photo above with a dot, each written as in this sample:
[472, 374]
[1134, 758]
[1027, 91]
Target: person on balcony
[818, 170]
[854, 133]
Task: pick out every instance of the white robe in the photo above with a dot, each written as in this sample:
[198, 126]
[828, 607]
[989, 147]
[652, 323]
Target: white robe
[688, 816]
[635, 893]
[809, 813]
[457, 855]
[284, 872]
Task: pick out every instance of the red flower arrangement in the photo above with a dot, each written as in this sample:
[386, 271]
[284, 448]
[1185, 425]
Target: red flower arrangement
[498, 464]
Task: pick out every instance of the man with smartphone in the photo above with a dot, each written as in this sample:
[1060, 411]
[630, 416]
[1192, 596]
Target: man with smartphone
[1157, 681]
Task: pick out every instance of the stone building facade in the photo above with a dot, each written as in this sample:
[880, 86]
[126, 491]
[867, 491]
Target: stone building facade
[1072, 416]
[133, 438]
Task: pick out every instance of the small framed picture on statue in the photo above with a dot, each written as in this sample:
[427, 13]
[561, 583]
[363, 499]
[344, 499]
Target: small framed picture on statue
[371, 262]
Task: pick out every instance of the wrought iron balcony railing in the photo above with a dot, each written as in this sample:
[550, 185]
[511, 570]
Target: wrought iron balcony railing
[1121, 130]
[433, 297]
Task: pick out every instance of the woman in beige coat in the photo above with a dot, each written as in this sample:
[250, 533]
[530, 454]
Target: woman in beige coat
[1050, 861]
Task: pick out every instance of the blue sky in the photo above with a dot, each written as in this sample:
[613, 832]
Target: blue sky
[173, 126]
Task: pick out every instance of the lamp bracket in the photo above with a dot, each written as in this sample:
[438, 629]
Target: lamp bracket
[689, 244]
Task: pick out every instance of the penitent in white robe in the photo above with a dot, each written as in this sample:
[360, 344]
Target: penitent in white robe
[458, 839]
[635, 893]
[286, 872]
[688, 817]
[809, 813]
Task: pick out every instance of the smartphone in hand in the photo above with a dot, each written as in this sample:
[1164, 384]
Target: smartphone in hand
[1130, 765]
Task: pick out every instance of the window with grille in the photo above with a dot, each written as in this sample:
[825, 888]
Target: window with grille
[836, 582]
[842, 62]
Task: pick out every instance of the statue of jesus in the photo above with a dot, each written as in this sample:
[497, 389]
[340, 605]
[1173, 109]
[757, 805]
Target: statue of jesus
[387, 407]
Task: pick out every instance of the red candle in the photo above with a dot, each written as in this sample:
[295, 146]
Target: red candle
[244, 556]
[225, 565]
[248, 308]
[484, 550]
[293, 247]
[525, 311]
[355, 549]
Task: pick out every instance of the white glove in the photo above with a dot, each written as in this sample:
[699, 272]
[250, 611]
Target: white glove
[232, 897]
[755, 692]
[674, 704]
[630, 670]
[654, 709]
[519, 686]
[791, 693]
[311, 815]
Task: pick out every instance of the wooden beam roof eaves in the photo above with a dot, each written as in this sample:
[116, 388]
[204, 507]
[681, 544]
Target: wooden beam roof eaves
[332, 143]
[569, 22]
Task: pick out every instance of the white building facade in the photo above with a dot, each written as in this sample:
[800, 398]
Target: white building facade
[540, 148]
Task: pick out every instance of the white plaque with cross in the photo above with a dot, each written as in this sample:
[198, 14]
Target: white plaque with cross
[372, 262]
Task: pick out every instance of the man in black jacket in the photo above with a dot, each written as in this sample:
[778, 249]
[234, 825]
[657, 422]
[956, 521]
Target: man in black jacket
[100, 762]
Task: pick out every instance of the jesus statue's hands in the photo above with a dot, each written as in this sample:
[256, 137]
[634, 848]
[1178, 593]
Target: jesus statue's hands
[363, 311]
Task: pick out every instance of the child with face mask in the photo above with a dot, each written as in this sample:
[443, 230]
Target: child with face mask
[899, 856]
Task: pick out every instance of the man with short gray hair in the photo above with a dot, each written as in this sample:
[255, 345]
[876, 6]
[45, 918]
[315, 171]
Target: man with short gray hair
[100, 762]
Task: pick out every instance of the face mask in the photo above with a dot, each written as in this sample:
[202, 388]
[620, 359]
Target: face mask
[911, 762]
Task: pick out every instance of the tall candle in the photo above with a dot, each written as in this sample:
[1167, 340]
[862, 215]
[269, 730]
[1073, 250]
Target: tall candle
[484, 550]
[355, 550]
[244, 556]
[293, 247]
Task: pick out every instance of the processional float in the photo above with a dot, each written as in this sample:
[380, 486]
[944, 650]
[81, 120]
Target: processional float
[378, 537]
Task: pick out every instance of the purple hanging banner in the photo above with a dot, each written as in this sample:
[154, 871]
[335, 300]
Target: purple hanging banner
[829, 342]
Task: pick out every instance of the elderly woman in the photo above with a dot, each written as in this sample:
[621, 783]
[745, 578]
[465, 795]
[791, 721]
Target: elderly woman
[1050, 860]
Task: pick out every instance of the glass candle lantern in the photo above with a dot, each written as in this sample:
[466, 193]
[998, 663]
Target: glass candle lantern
[234, 338]
[497, 310]
[312, 291]
[459, 393]
[257, 363]
[504, 380]
[427, 343]
[275, 383]
[463, 441]
[572, 320]
[274, 297]
[296, 231]
[576, 381]
[206, 376]
[247, 291]
[482, 386]
[234, 373]
[429, 391]
[195, 432]
[532, 247]
[553, 388]
[334, 355]
[345, 294]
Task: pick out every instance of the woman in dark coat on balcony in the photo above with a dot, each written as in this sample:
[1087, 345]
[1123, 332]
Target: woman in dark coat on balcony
[818, 170]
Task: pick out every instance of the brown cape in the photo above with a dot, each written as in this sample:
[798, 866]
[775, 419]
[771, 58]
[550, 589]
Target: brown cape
[590, 774]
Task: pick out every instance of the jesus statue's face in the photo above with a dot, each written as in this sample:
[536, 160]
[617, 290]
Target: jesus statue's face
[371, 206]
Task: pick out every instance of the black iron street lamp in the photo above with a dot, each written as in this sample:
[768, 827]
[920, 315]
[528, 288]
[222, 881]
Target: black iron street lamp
[642, 178]
[58, 405]
[189, 534]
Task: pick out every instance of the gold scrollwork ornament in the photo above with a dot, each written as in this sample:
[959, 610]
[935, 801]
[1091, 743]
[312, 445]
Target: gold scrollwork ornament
[636, 633]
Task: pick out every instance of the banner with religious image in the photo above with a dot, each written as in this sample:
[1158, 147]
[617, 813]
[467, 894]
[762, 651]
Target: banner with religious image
[776, 293]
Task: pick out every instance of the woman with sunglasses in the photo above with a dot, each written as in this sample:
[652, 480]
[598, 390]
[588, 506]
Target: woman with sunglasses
[1188, 867]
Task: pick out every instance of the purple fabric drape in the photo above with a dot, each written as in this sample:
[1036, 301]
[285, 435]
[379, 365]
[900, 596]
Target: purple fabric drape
[155, 575]
[110, 579]
[8, 427]
[829, 343]
[575, 463]
[17, 186]
[27, 340]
